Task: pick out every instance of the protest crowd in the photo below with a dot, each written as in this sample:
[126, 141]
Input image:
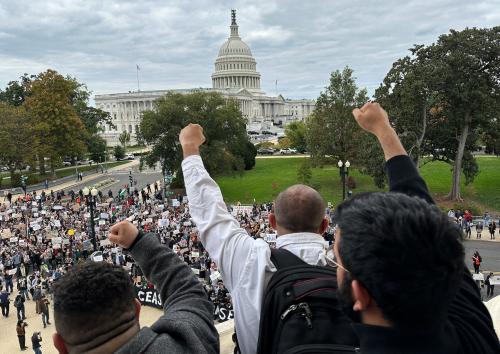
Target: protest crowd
[196, 258]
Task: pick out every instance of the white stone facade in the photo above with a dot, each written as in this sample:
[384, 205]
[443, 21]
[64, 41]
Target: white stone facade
[235, 76]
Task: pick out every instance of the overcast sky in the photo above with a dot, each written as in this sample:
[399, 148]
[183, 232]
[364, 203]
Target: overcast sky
[175, 43]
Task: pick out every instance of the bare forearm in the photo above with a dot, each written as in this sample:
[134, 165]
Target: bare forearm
[390, 143]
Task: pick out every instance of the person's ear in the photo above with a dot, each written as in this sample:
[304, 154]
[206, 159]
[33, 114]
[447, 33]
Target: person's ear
[272, 220]
[361, 296]
[137, 305]
[59, 343]
[323, 226]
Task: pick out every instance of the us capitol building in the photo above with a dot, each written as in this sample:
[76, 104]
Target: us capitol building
[235, 76]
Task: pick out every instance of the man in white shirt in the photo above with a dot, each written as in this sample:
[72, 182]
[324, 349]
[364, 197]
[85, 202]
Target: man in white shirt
[245, 263]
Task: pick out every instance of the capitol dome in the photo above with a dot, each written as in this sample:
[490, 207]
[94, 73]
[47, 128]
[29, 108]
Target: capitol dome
[235, 67]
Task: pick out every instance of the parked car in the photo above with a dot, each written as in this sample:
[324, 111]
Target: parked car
[266, 151]
[129, 157]
[288, 151]
[66, 163]
[85, 162]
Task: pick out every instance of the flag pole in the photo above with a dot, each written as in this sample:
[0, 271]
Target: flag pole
[137, 69]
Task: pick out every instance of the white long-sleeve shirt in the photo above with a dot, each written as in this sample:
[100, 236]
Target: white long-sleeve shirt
[243, 262]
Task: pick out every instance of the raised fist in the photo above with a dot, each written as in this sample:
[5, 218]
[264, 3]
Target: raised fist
[123, 234]
[372, 118]
[192, 136]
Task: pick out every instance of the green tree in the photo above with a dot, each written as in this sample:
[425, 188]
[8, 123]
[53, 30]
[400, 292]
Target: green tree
[97, 148]
[332, 133]
[296, 133]
[16, 91]
[16, 142]
[58, 130]
[124, 138]
[119, 152]
[221, 119]
[304, 173]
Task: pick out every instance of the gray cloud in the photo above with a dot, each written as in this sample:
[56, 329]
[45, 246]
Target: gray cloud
[298, 43]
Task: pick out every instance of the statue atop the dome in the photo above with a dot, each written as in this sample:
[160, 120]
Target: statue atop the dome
[233, 17]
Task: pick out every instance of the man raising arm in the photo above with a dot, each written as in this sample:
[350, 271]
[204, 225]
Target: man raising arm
[95, 309]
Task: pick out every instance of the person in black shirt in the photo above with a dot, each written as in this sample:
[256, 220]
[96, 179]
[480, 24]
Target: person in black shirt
[400, 264]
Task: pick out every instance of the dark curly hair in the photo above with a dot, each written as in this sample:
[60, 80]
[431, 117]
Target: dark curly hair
[91, 293]
[405, 252]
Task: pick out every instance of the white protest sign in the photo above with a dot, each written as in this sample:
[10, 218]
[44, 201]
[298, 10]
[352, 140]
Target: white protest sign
[149, 220]
[214, 276]
[12, 271]
[270, 238]
[104, 216]
[175, 203]
[478, 277]
[163, 222]
[57, 207]
[102, 222]
[195, 271]
[105, 242]
[14, 239]
[56, 223]
[495, 280]
[56, 240]
[39, 239]
[185, 199]
[35, 215]
[23, 208]
[195, 254]
[36, 227]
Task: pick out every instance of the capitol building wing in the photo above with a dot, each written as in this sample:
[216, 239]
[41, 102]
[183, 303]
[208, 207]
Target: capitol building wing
[235, 76]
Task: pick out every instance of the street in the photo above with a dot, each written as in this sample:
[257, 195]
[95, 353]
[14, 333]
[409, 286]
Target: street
[489, 251]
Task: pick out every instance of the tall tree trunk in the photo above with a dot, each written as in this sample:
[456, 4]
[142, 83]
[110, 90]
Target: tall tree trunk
[457, 166]
[420, 139]
[41, 165]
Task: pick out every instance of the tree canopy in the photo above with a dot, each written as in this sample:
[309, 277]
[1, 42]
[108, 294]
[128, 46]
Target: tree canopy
[227, 148]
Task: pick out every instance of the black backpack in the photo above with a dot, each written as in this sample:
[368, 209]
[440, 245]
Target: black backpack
[300, 312]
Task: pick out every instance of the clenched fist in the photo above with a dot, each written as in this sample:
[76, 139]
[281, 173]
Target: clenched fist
[372, 118]
[191, 137]
[123, 234]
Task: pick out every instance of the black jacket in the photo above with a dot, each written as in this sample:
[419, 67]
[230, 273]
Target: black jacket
[468, 329]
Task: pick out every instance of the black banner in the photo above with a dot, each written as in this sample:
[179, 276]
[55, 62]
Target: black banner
[149, 297]
[223, 313]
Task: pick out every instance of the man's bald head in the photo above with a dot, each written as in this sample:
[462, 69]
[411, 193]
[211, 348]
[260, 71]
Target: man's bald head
[299, 208]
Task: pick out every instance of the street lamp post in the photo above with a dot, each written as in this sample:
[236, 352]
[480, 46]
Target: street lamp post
[344, 172]
[90, 197]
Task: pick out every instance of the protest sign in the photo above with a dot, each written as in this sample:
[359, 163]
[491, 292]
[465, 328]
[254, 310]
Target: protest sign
[104, 216]
[214, 276]
[495, 280]
[14, 239]
[195, 254]
[102, 222]
[478, 277]
[6, 233]
[163, 222]
[105, 242]
[57, 240]
[58, 207]
[71, 232]
[195, 271]
[175, 203]
[12, 271]
[36, 227]
[56, 223]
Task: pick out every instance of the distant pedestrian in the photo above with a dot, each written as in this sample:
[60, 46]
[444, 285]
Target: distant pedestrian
[21, 334]
[9, 197]
[479, 229]
[19, 305]
[5, 303]
[491, 228]
[46, 184]
[36, 338]
[468, 229]
[489, 287]
[44, 308]
[476, 261]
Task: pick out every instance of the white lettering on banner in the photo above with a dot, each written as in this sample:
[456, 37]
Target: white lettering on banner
[148, 297]
[495, 280]
[140, 295]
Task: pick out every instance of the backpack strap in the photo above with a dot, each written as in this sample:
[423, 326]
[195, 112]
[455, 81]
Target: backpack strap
[282, 258]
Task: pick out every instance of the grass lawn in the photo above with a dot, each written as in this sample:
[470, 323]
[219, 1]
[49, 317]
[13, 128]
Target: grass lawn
[270, 176]
[60, 173]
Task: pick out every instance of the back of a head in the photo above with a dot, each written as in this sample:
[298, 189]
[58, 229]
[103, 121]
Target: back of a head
[299, 208]
[92, 299]
[405, 252]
